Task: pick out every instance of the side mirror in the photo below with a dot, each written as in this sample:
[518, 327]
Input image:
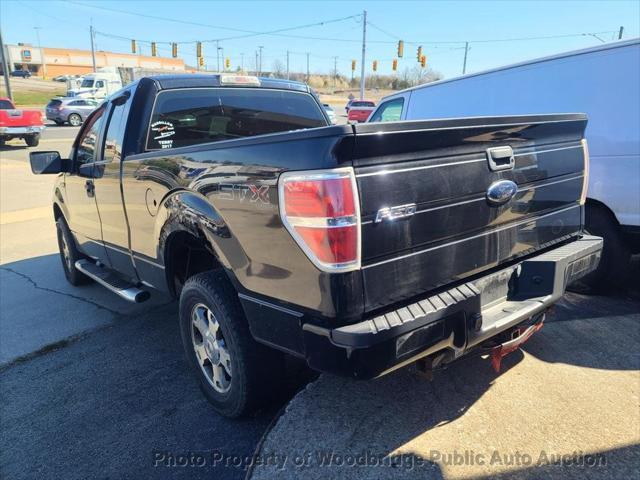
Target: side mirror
[48, 162]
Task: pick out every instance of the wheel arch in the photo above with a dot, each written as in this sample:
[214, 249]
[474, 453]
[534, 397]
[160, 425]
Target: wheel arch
[193, 238]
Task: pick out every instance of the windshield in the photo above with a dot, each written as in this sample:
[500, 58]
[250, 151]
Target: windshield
[363, 104]
[87, 83]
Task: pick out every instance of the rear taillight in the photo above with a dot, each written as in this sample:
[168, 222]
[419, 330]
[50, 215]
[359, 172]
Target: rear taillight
[585, 179]
[321, 211]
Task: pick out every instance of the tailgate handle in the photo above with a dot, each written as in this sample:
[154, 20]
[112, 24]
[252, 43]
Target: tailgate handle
[500, 158]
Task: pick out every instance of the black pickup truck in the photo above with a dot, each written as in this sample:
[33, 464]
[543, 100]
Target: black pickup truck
[359, 248]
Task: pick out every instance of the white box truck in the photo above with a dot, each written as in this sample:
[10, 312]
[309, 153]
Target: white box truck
[604, 83]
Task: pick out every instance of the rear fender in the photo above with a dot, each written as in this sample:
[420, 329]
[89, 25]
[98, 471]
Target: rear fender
[186, 211]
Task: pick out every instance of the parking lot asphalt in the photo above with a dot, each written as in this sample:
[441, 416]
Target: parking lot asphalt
[565, 406]
[93, 387]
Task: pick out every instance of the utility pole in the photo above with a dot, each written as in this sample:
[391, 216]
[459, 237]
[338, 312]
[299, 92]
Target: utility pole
[260, 47]
[364, 48]
[93, 48]
[620, 33]
[5, 68]
[256, 72]
[217, 56]
[44, 63]
[222, 57]
[242, 62]
[287, 64]
[335, 72]
[307, 67]
[466, 51]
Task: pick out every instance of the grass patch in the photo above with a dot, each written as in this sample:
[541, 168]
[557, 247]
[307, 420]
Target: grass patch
[29, 98]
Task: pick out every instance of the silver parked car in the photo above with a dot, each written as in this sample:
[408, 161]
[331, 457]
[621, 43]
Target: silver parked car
[70, 109]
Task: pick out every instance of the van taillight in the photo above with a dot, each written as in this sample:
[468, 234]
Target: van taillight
[585, 178]
[321, 211]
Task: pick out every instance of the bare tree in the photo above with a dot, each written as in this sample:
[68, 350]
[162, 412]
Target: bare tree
[278, 69]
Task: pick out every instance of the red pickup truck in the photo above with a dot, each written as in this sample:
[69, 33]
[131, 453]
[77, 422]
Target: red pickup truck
[359, 110]
[14, 123]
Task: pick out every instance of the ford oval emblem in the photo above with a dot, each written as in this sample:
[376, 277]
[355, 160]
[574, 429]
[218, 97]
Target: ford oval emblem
[501, 192]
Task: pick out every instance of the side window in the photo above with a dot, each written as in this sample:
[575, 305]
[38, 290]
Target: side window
[88, 141]
[115, 133]
[390, 111]
[99, 84]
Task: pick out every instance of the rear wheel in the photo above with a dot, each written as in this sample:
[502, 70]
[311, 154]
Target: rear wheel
[32, 140]
[69, 254]
[236, 374]
[75, 120]
[59, 122]
[614, 263]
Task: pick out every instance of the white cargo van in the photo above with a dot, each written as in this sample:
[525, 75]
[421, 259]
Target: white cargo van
[604, 83]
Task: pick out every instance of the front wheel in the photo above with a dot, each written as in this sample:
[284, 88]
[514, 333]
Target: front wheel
[236, 374]
[32, 140]
[69, 254]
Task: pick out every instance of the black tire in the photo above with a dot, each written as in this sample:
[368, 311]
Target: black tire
[256, 370]
[59, 123]
[616, 256]
[69, 254]
[74, 120]
[2, 140]
[32, 140]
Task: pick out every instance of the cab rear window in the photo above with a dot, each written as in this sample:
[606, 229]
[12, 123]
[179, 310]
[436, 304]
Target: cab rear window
[186, 117]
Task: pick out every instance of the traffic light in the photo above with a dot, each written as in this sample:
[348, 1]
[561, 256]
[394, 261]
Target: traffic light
[199, 49]
[201, 61]
[423, 61]
[394, 65]
[154, 50]
[420, 53]
[227, 63]
[375, 65]
[133, 46]
[400, 48]
[174, 50]
[353, 65]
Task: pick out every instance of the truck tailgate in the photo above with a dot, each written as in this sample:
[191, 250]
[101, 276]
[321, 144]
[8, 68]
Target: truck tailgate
[438, 175]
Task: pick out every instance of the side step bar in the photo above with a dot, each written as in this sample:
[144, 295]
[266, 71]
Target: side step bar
[112, 282]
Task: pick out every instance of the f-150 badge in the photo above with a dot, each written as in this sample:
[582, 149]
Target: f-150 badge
[394, 213]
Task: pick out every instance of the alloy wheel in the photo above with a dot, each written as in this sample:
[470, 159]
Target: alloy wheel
[210, 347]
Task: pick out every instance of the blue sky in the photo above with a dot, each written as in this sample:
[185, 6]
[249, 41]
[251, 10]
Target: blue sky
[65, 24]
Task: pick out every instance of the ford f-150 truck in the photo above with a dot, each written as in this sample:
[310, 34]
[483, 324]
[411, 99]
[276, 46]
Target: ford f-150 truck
[14, 123]
[359, 248]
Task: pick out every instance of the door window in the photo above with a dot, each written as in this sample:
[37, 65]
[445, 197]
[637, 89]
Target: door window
[390, 111]
[115, 133]
[88, 142]
[99, 84]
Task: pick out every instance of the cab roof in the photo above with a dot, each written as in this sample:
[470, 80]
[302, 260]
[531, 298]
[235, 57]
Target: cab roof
[187, 80]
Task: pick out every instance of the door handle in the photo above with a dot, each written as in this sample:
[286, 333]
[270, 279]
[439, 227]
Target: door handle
[89, 188]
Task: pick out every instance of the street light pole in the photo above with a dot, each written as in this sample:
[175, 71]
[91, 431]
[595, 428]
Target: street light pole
[242, 62]
[464, 64]
[260, 47]
[5, 68]
[42, 59]
[364, 48]
[287, 64]
[93, 49]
